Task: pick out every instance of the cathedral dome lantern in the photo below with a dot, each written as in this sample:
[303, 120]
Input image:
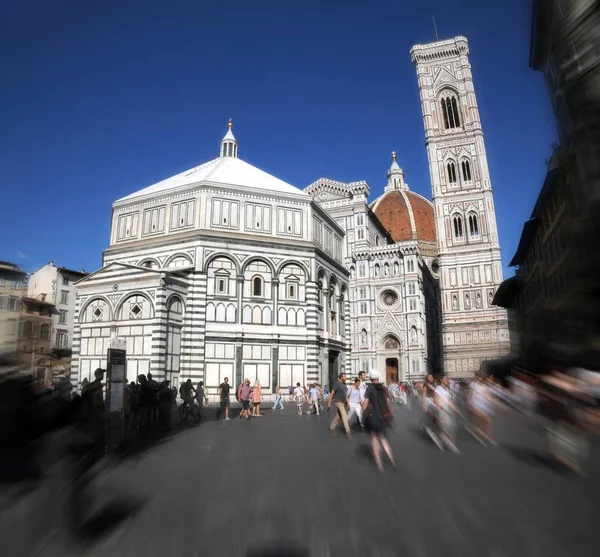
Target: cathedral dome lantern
[229, 146]
[405, 214]
[395, 176]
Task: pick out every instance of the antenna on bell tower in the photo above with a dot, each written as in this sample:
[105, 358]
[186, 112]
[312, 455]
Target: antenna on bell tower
[437, 38]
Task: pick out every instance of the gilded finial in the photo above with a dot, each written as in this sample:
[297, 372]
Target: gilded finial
[393, 155]
[229, 124]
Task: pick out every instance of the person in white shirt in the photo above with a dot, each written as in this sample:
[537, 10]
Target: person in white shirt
[362, 376]
[446, 413]
[482, 409]
[299, 396]
[314, 399]
[355, 399]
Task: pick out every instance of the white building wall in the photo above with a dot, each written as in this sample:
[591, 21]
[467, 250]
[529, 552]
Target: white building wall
[226, 329]
[469, 257]
[378, 333]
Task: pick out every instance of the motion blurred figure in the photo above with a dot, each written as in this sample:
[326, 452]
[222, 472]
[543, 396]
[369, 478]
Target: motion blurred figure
[378, 417]
[481, 407]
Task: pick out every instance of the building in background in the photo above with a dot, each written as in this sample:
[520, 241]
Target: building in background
[56, 286]
[225, 270]
[221, 271]
[555, 294]
[470, 268]
[389, 248]
[35, 338]
[12, 281]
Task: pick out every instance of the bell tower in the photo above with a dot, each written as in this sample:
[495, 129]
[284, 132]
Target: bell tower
[473, 329]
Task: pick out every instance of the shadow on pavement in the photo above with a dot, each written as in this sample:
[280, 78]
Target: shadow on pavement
[535, 458]
[363, 451]
[113, 514]
[137, 443]
[278, 549]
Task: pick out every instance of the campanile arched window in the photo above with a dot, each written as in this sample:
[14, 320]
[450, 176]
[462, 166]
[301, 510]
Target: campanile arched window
[473, 225]
[457, 222]
[451, 168]
[466, 170]
[450, 112]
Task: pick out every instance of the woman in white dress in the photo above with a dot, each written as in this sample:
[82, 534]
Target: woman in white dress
[446, 416]
[481, 405]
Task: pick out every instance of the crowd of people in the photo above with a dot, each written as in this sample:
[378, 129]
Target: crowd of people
[564, 401]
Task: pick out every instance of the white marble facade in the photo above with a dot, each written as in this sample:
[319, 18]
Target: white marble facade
[221, 271]
[467, 236]
[388, 317]
[225, 270]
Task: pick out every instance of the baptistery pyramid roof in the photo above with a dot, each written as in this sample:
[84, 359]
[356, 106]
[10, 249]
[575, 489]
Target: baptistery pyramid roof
[228, 169]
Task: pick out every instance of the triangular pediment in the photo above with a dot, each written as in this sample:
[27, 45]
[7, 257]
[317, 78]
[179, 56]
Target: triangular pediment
[444, 77]
[453, 207]
[122, 272]
[389, 326]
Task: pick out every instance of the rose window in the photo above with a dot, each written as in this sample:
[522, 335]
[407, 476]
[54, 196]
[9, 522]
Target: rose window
[389, 298]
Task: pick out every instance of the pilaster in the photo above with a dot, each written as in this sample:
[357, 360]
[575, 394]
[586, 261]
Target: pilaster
[194, 329]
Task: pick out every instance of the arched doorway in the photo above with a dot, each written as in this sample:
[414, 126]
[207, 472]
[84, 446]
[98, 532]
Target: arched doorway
[389, 358]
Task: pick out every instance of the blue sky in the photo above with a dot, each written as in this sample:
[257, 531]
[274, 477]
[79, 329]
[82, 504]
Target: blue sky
[100, 99]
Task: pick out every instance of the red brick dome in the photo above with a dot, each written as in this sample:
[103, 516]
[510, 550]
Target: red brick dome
[406, 215]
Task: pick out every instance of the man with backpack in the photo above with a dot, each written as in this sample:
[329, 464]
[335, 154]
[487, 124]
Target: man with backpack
[378, 416]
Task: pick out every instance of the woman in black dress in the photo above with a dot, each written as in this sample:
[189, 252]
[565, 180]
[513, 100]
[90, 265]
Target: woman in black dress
[378, 417]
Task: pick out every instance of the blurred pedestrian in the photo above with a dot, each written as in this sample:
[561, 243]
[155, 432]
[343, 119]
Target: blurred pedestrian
[278, 398]
[378, 418]
[256, 399]
[339, 396]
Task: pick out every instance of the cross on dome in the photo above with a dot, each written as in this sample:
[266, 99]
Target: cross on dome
[229, 146]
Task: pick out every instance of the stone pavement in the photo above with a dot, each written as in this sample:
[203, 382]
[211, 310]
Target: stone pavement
[281, 481]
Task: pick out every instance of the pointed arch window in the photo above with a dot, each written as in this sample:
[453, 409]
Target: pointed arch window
[451, 168]
[473, 225]
[466, 170]
[450, 111]
[457, 222]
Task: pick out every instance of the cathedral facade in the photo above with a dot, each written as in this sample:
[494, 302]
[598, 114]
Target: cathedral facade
[226, 271]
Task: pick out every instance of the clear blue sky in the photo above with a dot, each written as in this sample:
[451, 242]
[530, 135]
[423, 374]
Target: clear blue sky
[100, 99]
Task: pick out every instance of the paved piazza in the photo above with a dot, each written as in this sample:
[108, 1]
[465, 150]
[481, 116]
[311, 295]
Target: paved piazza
[239, 488]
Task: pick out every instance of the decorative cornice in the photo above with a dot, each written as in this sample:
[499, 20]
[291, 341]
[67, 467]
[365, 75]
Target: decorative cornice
[348, 190]
[440, 50]
[206, 186]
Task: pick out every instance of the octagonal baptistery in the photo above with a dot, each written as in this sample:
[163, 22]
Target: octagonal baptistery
[221, 271]
[406, 215]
